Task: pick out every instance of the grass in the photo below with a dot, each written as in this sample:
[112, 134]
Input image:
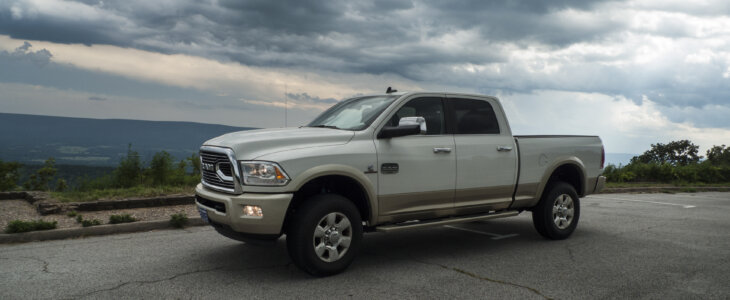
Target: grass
[179, 220]
[111, 194]
[660, 185]
[123, 218]
[88, 223]
[18, 226]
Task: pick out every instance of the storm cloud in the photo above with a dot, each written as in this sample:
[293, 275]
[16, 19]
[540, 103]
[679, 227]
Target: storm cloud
[674, 54]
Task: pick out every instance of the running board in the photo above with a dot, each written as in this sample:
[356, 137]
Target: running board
[446, 221]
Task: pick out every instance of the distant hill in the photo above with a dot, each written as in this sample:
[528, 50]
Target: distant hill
[31, 139]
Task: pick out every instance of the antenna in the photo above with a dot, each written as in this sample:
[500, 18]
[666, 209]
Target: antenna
[286, 104]
[390, 90]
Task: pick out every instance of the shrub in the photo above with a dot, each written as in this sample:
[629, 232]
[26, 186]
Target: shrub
[18, 226]
[124, 218]
[72, 214]
[88, 223]
[79, 218]
[179, 220]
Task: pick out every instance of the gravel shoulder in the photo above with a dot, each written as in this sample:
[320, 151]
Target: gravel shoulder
[19, 209]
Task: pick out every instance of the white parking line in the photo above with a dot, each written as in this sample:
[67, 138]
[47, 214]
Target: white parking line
[642, 201]
[493, 235]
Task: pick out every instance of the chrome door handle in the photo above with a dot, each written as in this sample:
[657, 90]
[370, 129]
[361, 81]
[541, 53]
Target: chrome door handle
[441, 150]
[504, 148]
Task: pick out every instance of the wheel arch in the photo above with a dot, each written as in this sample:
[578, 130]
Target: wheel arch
[571, 170]
[338, 179]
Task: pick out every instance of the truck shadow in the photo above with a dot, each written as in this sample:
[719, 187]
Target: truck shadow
[439, 246]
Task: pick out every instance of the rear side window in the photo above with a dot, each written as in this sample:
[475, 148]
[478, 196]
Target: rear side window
[474, 117]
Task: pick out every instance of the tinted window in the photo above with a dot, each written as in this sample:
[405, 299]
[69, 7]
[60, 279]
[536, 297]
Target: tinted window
[431, 109]
[474, 116]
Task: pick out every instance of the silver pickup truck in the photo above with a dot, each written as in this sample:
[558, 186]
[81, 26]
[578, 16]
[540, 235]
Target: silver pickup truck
[391, 162]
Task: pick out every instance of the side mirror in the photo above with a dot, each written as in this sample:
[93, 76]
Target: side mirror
[420, 121]
[406, 126]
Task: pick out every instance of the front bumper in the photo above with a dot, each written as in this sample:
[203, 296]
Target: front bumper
[228, 209]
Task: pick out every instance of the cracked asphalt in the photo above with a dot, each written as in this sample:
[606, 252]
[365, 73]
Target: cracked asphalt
[674, 246]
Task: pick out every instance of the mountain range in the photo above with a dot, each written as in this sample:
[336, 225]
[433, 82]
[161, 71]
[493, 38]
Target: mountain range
[31, 139]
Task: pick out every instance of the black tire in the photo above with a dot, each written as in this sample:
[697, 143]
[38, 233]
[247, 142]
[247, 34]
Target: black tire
[556, 215]
[312, 216]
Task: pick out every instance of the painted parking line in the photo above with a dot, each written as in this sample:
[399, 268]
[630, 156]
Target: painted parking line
[642, 201]
[493, 235]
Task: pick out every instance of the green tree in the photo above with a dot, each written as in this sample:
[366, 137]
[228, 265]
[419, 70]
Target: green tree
[61, 185]
[41, 179]
[129, 171]
[9, 175]
[161, 168]
[676, 153]
[719, 156]
[195, 163]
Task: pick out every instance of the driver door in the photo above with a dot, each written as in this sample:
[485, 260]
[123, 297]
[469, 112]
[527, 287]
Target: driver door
[417, 173]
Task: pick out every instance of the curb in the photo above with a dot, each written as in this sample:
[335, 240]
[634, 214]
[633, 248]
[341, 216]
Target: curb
[678, 189]
[67, 233]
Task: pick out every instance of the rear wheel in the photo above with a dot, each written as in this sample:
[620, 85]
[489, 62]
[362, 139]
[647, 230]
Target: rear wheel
[556, 215]
[325, 234]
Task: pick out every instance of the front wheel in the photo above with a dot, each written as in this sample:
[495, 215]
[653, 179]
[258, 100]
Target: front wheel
[325, 234]
[556, 216]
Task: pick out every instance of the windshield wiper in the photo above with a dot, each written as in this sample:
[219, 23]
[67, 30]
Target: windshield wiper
[325, 126]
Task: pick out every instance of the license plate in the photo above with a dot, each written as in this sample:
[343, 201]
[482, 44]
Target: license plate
[203, 214]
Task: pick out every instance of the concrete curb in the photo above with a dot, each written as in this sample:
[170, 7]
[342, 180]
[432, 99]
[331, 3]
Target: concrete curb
[676, 189]
[67, 233]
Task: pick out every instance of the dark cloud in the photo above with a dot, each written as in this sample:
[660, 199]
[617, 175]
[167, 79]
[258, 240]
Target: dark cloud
[306, 98]
[39, 58]
[421, 40]
[96, 98]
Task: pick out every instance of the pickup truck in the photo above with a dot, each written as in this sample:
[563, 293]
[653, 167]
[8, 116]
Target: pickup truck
[391, 162]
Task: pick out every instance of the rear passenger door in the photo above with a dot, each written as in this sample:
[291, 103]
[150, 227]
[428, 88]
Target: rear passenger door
[486, 158]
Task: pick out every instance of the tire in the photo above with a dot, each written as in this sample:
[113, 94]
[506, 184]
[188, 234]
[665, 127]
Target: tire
[324, 235]
[556, 215]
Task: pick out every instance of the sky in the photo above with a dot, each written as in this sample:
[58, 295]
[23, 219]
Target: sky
[633, 72]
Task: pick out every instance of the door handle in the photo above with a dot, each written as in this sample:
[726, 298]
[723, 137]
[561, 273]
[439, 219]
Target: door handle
[504, 148]
[441, 150]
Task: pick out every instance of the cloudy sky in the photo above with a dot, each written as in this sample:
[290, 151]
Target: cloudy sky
[633, 72]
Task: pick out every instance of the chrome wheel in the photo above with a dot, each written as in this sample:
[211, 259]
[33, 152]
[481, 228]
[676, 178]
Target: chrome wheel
[563, 211]
[332, 237]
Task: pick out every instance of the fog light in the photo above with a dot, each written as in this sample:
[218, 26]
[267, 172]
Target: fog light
[253, 211]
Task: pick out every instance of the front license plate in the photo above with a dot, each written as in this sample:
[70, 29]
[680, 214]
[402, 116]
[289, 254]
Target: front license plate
[203, 214]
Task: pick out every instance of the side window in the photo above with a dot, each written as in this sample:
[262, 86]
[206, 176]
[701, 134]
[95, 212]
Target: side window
[431, 109]
[474, 117]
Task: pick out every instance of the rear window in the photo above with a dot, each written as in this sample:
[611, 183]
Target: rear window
[474, 117]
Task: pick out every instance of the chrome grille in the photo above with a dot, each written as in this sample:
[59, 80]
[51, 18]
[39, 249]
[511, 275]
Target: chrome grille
[221, 162]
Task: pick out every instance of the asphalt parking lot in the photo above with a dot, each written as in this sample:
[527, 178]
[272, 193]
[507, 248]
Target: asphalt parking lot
[626, 246]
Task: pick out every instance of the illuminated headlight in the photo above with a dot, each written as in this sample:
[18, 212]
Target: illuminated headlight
[263, 173]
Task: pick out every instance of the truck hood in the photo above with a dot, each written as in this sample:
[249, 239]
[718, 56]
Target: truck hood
[250, 144]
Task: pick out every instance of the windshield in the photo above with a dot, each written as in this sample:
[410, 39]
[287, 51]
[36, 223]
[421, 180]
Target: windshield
[353, 114]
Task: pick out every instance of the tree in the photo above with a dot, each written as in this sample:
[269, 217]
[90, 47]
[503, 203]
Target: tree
[129, 171]
[195, 163]
[676, 153]
[40, 180]
[719, 155]
[161, 168]
[9, 175]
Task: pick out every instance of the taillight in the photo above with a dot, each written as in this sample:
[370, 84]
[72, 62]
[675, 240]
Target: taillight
[603, 156]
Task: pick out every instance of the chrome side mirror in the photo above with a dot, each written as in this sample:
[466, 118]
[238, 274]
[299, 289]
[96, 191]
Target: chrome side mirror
[420, 121]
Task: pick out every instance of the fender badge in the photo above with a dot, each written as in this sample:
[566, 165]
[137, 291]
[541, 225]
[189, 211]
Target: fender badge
[371, 169]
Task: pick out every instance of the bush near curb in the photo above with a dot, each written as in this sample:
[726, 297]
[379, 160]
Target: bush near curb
[124, 218]
[18, 226]
[179, 220]
[89, 223]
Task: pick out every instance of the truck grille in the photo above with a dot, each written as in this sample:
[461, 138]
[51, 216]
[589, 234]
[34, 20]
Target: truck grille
[216, 162]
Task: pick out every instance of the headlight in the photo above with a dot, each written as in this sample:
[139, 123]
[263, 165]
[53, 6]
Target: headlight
[263, 173]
